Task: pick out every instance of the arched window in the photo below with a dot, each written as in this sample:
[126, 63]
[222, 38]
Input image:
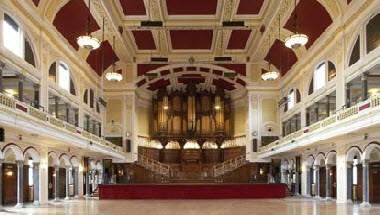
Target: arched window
[373, 33]
[85, 96]
[91, 98]
[325, 71]
[291, 99]
[355, 53]
[59, 72]
[15, 41]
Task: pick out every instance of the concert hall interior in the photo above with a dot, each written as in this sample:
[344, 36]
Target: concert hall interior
[271, 106]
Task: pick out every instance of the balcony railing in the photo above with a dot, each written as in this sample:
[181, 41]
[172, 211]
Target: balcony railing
[154, 166]
[13, 106]
[229, 165]
[341, 116]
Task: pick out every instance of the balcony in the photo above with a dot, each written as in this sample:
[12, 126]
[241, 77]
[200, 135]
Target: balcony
[35, 120]
[362, 115]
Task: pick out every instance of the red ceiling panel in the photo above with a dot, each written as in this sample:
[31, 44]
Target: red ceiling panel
[312, 20]
[186, 79]
[238, 39]
[144, 39]
[281, 56]
[159, 84]
[71, 21]
[191, 39]
[144, 68]
[133, 7]
[223, 84]
[95, 60]
[36, 2]
[241, 82]
[249, 7]
[192, 7]
[238, 68]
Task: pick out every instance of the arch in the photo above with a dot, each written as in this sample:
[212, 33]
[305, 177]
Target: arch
[352, 152]
[372, 38]
[64, 159]
[284, 164]
[319, 158]
[369, 149]
[291, 164]
[331, 157]
[54, 75]
[354, 51]
[33, 153]
[310, 160]
[53, 155]
[99, 166]
[74, 161]
[15, 149]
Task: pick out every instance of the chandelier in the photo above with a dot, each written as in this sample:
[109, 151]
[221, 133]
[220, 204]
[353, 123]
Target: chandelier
[87, 41]
[270, 75]
[114, 75]
[296, 40]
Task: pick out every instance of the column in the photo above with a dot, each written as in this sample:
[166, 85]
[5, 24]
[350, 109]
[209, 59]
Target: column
[308, 181]
[56, 180]
[36, 183]
[316, 169]
[76, 182]
[364, 80]
[20, 183]
[2, 65]
[348, 95]
[56, 101]
[67, 183]
[21, 88]
[36, 88]
[365, 165]
[67, 112]
[349, 181]
[1, 180]
[88, 192]
[327, 106]
[328, 182]
[43, 176]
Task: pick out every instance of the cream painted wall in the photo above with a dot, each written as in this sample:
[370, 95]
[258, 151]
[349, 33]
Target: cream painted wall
[114, 111]
[143, 114]
[240, 119]
[269, 110]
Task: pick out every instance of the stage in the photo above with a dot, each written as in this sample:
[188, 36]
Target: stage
[191, 191]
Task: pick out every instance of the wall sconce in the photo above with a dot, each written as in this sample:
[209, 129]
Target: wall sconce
[9, 173]
[261, 171]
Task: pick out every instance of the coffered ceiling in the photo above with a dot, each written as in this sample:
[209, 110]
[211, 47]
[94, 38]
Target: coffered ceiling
[193, 30]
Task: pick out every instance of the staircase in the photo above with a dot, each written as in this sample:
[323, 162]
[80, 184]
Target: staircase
[229, 165]
[154, 166]
[95, 193]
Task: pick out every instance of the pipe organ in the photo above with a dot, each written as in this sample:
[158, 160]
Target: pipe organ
[191, 114]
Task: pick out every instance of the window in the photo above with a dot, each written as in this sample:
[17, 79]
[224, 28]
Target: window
[64, 76]
[59, 72]
[291, 99]
[91, 98]
[373, 33]
[85, 97]
[319, 76]
[12, 36]
[355, 53]
[15, 41]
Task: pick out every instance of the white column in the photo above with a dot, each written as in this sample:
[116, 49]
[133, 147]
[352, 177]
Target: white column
[80, 180]
[76, 182]
[341, 175]
[56, 194]
[1, 183]
[36, 183]
[43, 176]
[67, 182]
[365, 165]
[20, 183]
[328, 182]
[317, 181]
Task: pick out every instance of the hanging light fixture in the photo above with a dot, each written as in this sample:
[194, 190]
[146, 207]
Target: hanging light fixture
[114, 75]
[269, 75]
[296, 40]
[87, 41]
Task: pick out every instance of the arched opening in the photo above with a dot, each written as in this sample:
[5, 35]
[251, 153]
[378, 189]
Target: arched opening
[371, 156]
[355, 52]
[31, 172]
[53, 169]
[323, 73]
[373, 33]
[354, 175]
[331, 182]
[319, 177]
[13, 176]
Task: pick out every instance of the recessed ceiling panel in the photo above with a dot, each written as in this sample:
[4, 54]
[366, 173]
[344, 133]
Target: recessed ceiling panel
[249, 7]
[281, 57]
[191, 7]
[191, 39]
[103, 57]
[238, 39]
[133, 7]
[144, 39]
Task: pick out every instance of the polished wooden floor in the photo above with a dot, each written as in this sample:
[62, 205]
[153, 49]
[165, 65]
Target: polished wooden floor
[291, 206]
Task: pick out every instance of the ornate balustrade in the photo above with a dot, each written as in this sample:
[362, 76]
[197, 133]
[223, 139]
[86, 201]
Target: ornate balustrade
[229, 165]
[10, 105]
[372, 104]
[154, 166]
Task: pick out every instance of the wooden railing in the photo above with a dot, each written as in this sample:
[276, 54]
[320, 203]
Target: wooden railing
[370, 105]
[11, 105]
[154, 166]
[229, 165]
